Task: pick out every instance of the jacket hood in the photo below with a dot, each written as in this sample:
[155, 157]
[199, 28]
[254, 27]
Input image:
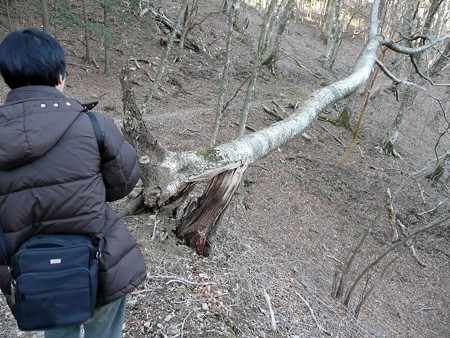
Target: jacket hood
[32, 120]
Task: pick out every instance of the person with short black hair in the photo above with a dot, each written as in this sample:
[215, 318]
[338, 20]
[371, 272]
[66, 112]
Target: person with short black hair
[53, 179]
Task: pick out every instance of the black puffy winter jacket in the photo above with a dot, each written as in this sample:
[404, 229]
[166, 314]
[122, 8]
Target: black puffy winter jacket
[53, 180]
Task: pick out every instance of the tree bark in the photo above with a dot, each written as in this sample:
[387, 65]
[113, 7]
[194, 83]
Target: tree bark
[195, 227]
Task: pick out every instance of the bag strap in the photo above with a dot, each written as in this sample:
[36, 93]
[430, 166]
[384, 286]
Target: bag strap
[101, 148]
[98, 132]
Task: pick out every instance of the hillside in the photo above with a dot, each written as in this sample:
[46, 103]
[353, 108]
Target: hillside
[296, 216]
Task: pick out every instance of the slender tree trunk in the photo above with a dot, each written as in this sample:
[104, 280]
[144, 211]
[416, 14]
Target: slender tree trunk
[45, 24]
[106, 39]
[86, 33]
[283, 21]
[274, 22]
[334, 37]
[55, 30]
[387, 145]
[255, 69]
[189, 17]
[323, 15]
[162, 65]
[8, 14]
[232, 14]
[329, 19]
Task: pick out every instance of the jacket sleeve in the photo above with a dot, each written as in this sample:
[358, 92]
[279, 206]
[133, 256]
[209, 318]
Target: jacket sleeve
[120, 168]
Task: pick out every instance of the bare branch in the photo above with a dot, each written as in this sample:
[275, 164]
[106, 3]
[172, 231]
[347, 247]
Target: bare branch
[394, 78]
[406, 240]
[389, 43]
[416, 68]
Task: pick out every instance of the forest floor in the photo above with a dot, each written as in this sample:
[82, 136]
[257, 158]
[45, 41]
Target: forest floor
[297, 216]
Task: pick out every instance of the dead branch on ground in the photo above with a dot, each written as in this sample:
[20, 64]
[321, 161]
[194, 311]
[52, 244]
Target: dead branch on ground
[311, 311]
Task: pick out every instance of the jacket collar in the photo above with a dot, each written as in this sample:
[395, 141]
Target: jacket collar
[35, 92]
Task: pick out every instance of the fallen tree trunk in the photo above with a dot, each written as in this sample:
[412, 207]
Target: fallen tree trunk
[167, 183]
[170, 178]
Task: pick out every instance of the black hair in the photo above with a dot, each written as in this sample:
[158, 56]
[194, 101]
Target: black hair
[31, 57]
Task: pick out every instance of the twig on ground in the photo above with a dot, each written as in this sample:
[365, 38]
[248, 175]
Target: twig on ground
[85, 67]
[392, 215]
[136, 63]
[246, 127]
[297, 62]
[260, 166]
[402, 227]
[431, 210]
[149, 76]
[428, 308]
[148, 290]
[276, 104]
[273, 113]
[272, 315]
[414, 253]
[139, 60]
[323, 248]
[95, 63]
[334, 136]
[173, 279]
[421, 193]
[182, 325]
[155, 223]
[313, 315]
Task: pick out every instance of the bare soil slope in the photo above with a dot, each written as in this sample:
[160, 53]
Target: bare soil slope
[296, 217]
